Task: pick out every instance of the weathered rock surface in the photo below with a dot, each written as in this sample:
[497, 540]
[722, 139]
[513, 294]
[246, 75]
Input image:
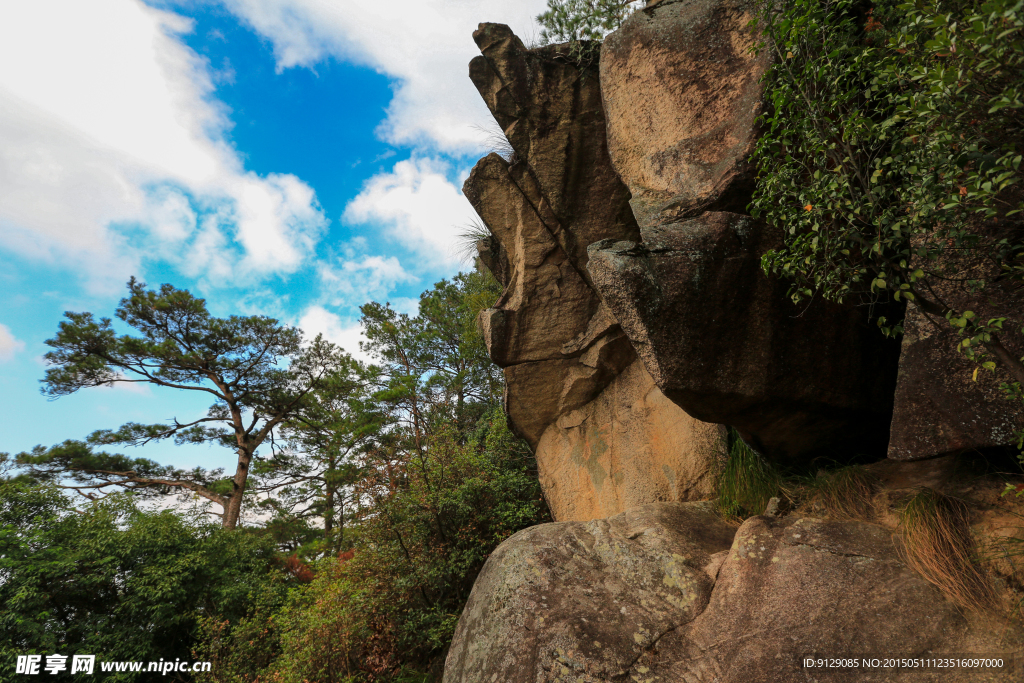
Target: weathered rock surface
[666, 593]
[561, 348]
[567, 600]
[550, 111]
[721, 340]
[546, 304]
[621, 450]
[939, 406]
[682, 95]
[725, 342]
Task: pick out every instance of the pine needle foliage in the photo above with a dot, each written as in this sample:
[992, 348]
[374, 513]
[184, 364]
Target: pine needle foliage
[567, 21]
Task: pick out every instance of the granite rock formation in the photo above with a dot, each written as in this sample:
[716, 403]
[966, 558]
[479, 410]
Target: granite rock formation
[682, 95]
[941, 406]
[668, 592]
[723, 341]
[635, 321]
[604, 437]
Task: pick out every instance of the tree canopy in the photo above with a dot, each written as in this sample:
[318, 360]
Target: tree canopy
[891, 160]
[113, 580]
[567, 21]
[255, 370]
[385, 487]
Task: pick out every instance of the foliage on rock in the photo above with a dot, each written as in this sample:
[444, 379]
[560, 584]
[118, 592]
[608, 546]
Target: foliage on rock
[567, 21]
[891, 158]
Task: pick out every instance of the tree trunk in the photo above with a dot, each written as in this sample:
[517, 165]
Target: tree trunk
[329, 501]
[233, 510]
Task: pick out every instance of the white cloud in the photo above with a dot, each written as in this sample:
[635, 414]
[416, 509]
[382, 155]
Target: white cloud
[318, 320]
[419, 207]
[107, 118]
[137, 388]
[405, 304]
[9, 344]
[354, 282]
[424, 45]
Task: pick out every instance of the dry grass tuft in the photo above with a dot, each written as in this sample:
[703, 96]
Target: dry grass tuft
[467, 238]
[495, 140]
[844, 494]
[936, 542]
[1006, 555]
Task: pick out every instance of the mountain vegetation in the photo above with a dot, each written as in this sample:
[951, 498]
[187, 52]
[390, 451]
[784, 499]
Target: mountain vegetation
[366, 496]
[891, 158]
[360, 500]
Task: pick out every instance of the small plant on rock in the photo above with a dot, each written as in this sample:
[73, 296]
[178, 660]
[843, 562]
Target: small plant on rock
[936, 542]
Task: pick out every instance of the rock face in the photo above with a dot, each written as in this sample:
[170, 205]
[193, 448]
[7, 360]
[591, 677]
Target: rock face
[668, 593]
[682, 96]
[634, 292]
[726, 343]
[565, 355]
[940, 406]
[550, 111]
[720, 339]
[622, 450]
[567, 600]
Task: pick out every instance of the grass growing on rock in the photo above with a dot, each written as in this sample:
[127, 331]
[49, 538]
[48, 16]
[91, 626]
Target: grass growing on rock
[844, 494]
[747, 481]
[932, 530]
[936, 542]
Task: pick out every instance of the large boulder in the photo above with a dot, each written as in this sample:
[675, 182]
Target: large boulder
[583, 601]
[682, 94]
[560, 347]
[622, 449]
[726, 343]
[941, 405]
[669, 593]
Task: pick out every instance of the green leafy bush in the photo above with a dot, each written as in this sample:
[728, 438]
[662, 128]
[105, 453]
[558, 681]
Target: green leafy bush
[891, 159]
[112, 580]
[386, 610]
[441, 481]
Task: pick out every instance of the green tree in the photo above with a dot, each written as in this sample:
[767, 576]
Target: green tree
[310, 477]
[572, 21]
[389, 606]
[112, 580]
[434, 366]
[443, 482]
[891, 159]
[255, 370]
[77, 466]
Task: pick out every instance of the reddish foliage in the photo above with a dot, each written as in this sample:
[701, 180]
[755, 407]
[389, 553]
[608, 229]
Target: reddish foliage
[873, 24]
[346, 555]
[299, 569]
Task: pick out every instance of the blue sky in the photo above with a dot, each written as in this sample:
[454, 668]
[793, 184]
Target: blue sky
[293, 158]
